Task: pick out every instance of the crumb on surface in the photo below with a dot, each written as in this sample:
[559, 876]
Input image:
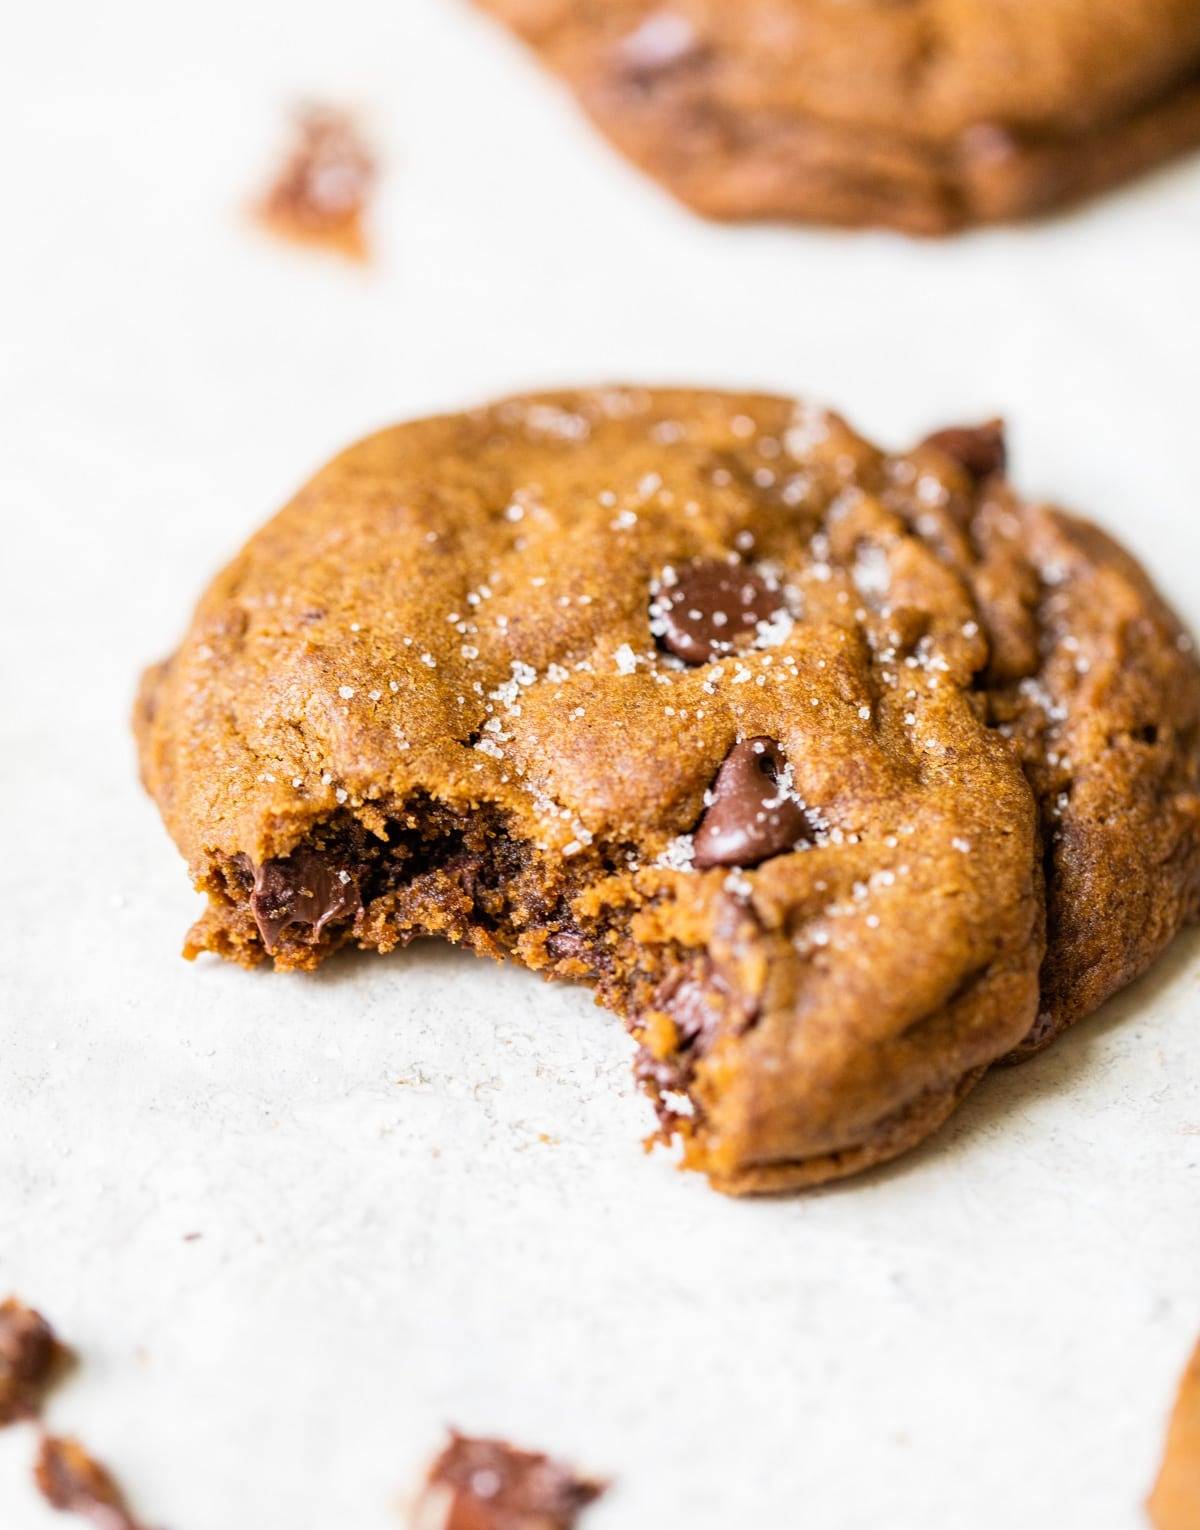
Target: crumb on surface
[321, 192]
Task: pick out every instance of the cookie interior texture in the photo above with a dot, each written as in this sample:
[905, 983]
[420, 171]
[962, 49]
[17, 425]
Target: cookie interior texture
[925, 115]
[840, 774]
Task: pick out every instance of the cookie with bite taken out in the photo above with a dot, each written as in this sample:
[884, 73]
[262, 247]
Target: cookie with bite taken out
[840, 773]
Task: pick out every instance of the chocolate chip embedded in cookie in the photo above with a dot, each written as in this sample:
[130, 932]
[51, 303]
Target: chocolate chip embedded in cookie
[754, 812]
[711, 607]
[926, 792]
[321, 193]
[980, 449]
[927, 116]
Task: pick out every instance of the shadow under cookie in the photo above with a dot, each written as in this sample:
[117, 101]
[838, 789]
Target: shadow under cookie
[840, 774]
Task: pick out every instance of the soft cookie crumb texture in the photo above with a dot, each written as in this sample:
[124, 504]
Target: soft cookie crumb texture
[841, 774]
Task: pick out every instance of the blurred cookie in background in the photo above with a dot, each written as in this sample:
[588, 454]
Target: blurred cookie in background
[1175, 1501]
[922, 115]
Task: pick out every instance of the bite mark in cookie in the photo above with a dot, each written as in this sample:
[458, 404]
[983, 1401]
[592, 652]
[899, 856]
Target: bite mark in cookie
[712, 608]
[930, 792]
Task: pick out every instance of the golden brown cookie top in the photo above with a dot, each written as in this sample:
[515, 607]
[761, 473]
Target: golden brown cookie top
[489, 604]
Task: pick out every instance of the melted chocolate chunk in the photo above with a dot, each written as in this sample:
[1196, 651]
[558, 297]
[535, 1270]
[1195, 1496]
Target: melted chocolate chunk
[305, 888]
[490, 1485]
[753, 815]
[704, 1003]
[694, 1006]
[568, 946]
[28, 1352]
[711, 608]
[69, 1479]
[978, 448]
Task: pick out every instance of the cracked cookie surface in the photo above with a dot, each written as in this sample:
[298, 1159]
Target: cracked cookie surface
[840, 774]
[925, 115]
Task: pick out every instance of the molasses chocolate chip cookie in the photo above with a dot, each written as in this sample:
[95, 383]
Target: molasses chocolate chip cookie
[925, 115]
[840, 774]
[481, 1484]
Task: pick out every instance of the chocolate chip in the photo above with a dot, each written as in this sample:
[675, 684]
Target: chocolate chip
[710, 608]
[28, 1351]
[753, 814]
[306, 888]
[567, 946]
[69, 1479]
[480, 1484]
[980, 449]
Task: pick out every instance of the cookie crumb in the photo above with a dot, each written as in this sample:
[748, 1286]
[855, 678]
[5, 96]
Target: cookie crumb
[321, 193]
[72, 1481]
[484, 1484]
[1175, 1502]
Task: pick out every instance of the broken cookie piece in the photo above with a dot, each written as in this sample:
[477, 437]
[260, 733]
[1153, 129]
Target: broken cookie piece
[29, 1356]
[481, 1484]
[71, 1480]
[841, 774]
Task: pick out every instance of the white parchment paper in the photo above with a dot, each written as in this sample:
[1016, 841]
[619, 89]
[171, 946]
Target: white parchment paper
[417, 1183]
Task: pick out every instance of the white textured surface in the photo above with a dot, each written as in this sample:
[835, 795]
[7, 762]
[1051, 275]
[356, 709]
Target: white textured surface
[984, 1336]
